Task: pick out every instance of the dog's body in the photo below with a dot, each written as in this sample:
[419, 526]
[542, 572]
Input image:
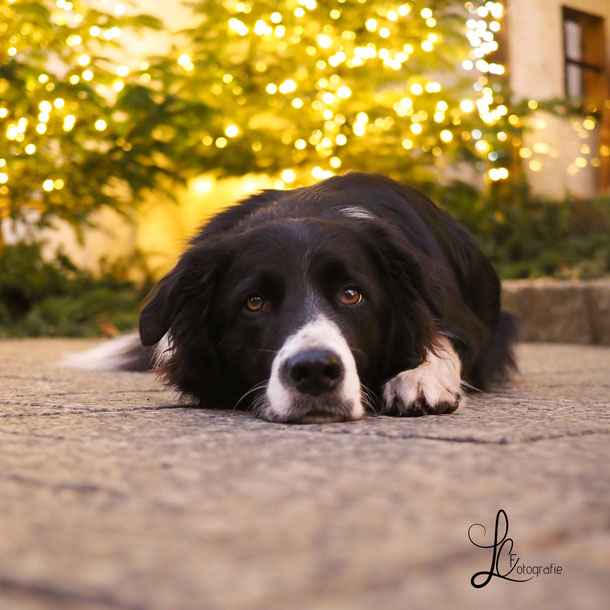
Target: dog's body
[309, 305]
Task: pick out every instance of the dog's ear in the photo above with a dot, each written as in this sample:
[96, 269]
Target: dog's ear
[155, 318]
[416, 297]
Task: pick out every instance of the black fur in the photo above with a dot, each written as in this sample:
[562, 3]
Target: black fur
[420, 270]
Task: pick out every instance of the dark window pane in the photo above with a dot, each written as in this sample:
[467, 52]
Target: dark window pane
[574, 81]
[573, 40]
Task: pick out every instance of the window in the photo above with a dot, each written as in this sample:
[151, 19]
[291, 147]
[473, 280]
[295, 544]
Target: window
[583, 37]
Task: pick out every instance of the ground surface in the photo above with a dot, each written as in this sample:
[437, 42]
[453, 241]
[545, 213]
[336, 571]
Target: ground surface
[114, 496]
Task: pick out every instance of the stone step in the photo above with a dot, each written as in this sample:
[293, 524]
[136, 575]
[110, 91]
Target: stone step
[573, 311]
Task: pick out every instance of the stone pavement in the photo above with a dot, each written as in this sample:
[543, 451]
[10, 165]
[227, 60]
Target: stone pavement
[114, 496]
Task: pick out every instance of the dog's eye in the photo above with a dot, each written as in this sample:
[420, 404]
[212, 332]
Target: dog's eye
[254, 303]
[351, 296]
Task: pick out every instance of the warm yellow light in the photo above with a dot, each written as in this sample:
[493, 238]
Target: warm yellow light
[535, 165]
[41, 128]
[344, 92]
[276, 18]
[30, 149]
[58, 184]
[69, 121]
[58, 103]
[297, 103]
[238, 26]
[300, 144]
[288, 176]
[341, 139]
[426, 13]
[48, 185]
[324, 41]
[201, 185]
[232, 131]
[446, 135]
[271, 88]
[335, 162]
[288, 86]
[532, 104]
[416, 128]
[87, 75]
[580, 162]
[416, 89]
[73, 40]
[45, 107]
[118, 85]
[371, 25]
[84, 60]
[221, 142]
[525, 153]
[74, 79]
[184, 60]
[589, 123]
[122, 70]
[427, 46]
[466, 106]
[3, 178]
[317, 172]
[100, 124]
[3, 113]
[407, 144]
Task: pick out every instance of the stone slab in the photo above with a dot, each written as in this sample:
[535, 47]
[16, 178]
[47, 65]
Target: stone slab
[560, 311]
[114, 495]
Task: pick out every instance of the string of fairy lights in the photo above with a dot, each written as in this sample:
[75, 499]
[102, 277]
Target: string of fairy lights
[333, 48]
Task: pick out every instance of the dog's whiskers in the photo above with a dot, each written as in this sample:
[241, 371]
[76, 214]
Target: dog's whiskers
[259, 386]
[368, 397]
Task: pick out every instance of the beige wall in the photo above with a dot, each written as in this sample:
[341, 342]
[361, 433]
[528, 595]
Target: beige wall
[536, 71]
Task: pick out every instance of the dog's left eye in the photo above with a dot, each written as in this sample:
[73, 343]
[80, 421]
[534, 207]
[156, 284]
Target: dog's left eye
[351, 296]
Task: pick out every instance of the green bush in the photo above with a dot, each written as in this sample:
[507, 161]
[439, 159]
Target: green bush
[528, 238]
[40, 298]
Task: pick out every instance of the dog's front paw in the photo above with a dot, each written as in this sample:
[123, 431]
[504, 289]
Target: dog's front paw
[408, 395]
[434, 387]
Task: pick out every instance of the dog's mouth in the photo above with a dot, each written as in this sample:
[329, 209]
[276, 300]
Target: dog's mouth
[319, 416]
[310, 410]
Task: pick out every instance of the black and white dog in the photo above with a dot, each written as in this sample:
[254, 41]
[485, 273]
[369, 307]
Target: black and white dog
[318, 303]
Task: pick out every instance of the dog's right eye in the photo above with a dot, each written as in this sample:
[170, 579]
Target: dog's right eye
[255, 303]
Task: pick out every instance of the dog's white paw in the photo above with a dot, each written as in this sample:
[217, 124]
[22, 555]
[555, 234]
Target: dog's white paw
[434, 387]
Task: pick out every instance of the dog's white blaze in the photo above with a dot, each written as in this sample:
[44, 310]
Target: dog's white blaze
[320, 333]
[357, 212]
[437, 380]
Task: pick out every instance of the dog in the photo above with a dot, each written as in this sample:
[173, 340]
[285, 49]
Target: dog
[321, 303]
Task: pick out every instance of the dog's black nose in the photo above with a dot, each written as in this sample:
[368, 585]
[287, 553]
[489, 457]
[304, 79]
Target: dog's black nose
[314, 371]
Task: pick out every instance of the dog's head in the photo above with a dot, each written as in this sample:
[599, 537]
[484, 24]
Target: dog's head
[292, 316]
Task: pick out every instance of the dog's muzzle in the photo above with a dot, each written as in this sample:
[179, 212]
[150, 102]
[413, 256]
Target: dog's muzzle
[313, 378]
[313, 371]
